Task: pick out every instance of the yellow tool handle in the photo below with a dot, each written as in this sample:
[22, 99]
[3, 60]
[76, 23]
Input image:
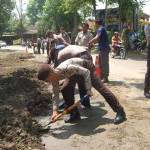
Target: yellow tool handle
[66, 111]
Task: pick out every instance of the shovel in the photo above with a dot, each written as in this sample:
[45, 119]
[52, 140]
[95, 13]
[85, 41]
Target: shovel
[69, 109]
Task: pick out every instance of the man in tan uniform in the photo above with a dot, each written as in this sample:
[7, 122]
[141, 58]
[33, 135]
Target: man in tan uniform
[79, 66]
[84, 36]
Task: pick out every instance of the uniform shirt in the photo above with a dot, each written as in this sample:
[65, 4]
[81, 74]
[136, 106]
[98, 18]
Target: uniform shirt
[103, 39]
[67, 69]
[83, 39]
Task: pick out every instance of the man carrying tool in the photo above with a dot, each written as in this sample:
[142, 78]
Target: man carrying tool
[66, 69]
[96, 82]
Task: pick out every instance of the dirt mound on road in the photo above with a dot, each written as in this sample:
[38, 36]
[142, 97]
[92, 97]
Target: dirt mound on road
[21, 97]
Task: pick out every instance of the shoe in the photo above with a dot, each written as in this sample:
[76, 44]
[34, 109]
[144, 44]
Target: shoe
[120, 117]
[147, 94]
[62, 105]
[85, 101]
[105, 80]
[73, 117]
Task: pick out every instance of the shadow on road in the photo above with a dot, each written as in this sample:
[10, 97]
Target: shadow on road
[90, 124]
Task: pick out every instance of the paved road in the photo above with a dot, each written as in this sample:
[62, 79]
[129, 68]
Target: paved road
[96, 130]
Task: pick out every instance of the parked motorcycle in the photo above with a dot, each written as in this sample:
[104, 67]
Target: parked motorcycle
[137, 45]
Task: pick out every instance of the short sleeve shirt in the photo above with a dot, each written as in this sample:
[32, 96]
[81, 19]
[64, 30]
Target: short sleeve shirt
[83, 38]
[103, 39]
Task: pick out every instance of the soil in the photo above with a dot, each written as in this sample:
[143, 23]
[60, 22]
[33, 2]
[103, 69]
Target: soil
[22, 97]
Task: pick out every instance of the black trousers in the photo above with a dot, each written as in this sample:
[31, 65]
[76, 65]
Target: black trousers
[68, 91]
[39, 48]
[104, 63]
[147, 75]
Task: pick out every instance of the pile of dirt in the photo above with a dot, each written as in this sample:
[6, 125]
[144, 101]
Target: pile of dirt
[22, 96]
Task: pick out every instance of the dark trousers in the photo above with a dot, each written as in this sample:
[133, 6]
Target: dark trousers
[68, 91]
[147, 75]
[104, 63]
[39, 48]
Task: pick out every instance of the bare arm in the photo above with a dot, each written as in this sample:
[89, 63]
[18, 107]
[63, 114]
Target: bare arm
[94, 40]
[62, 39]
[56, 95]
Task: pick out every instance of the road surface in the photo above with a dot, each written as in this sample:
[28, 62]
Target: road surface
[96, 130]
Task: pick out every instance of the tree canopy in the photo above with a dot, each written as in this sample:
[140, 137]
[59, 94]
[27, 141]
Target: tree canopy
[5, 13]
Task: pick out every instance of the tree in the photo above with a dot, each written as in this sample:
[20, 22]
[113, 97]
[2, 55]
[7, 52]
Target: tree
[5, 13]
[55, 16]
[35, 10]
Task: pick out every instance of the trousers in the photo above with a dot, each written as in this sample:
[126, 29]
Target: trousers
[104, 63]
[111, 99]
[147, 75]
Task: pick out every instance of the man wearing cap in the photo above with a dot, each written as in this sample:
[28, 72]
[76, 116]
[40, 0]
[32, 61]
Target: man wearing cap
[147, 75]
[102, 39]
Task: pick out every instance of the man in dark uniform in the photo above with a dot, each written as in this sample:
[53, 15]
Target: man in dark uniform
[102, 39]
[147, 75]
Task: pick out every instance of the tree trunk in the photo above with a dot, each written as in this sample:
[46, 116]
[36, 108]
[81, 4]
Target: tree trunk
[106, 12]
[94, 7]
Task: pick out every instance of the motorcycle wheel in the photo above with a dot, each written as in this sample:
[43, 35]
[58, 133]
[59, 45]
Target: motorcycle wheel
[123, 53]
[139, 49]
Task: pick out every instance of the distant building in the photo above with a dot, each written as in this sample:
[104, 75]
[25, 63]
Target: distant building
[30, 33]
[113, 21]
[8, 38]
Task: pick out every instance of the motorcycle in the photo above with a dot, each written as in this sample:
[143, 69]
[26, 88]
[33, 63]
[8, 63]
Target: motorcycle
[120, 51]
[137, 45]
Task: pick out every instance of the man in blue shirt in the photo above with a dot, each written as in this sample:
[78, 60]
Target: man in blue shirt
[102, 39]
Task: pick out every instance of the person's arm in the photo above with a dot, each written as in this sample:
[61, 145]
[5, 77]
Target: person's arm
[77, 39]
[55, 99]
[90, 37]
[94, 40]
[68, 38]
[62, 39]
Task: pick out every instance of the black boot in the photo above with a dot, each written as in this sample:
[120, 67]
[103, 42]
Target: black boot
[120, 117]
[73, 117]
[105, 80]
[147, 94]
